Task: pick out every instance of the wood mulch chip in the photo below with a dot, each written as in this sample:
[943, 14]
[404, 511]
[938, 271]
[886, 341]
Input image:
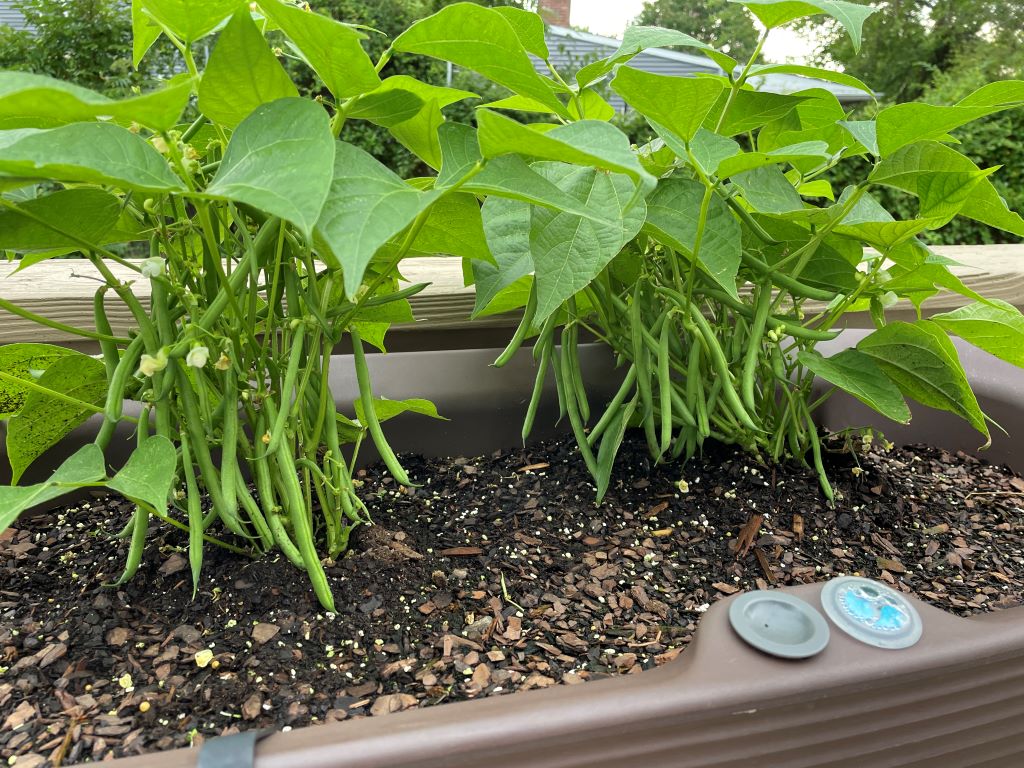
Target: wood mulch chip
[497, 575]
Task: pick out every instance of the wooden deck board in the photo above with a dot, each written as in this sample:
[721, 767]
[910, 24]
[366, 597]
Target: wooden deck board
[62, 290]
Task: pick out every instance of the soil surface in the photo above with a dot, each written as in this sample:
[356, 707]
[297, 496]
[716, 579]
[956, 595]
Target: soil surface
[498, 575]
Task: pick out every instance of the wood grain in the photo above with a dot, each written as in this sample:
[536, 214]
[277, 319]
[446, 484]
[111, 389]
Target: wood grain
[62, 289]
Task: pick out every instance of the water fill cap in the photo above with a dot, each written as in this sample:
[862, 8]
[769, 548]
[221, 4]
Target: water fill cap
[871, 612]
[779, 624]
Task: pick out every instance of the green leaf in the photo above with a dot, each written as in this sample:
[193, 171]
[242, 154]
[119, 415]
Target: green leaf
[332, 49]
[673, 212]
[858, 374]
[593, 105]
[637, 39]
[389, 409]
[775, 13]
[84, 467]
[43, 419]
[460, 153]
[419, 134]
[749, 161]
[191, 20]
[149, 473]
[507, 228]
[96, 153]
[680, 104]
[36, 101]
[768, 190]
[88, 214]
[483, 40]
[242, 74]
[903, 124]
[454, 228]
[385, 106]
[923, 362]
[569, 251]
[145, 32]
[817, 73]
[24, 361]
[1005, 93]
[749, 111]
[509, 176]
[367, 206]
[710, 150]
[996, 327]
[280, 159]
[941, 178]
[529, 29]
[587, 142]
[865, 132]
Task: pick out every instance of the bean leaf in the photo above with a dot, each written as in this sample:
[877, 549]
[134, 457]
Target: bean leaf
[995, 326]
[149, 473]
[673, 214]
[280, 160]
[922, 361]
[35, 101]
[568, 250]
[96, 153]
[331, 48]
[680, 104]
[43, 420]
[241, 74]
[84, 467]
[24, 361]
[775, 13]
[367, 206]
[859, 374]
[483, 40]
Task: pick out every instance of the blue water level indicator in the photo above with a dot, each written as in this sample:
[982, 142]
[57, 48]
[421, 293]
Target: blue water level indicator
[871, 612]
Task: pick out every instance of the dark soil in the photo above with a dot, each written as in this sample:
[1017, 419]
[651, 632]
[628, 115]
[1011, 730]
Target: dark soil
[498, 575]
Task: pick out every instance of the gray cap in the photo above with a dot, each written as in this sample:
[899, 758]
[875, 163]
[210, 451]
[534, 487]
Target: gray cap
[871, 612]
[779, 624]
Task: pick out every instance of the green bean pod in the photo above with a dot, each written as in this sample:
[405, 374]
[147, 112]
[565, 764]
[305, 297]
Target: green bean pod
[107, 345]
[762, 304]
[522, 330]
[291, 376]
[196, 526]
[372, 423]
[574, 416]
[113, 409]
[783, 280]
[538, 387]
[641, 359]
[722, 369]
[613, 407]
[665, 389]
[229, 444]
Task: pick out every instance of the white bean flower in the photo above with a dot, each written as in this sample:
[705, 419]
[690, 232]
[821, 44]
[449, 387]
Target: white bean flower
[198, 357]
[150, 364]
[153, 267]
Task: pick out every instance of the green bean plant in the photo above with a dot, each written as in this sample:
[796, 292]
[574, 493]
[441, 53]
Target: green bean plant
[726, 258]
[270, 239]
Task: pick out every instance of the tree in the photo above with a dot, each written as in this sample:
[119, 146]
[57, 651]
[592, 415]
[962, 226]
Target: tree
[908, 42]
[720, 23]
[82, 41]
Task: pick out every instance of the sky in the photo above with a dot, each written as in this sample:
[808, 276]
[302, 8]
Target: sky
[611, 17]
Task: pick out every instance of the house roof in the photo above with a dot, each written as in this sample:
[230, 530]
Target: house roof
[665, 61]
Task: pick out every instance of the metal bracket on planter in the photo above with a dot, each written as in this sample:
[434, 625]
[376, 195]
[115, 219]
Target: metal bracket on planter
[235, 751]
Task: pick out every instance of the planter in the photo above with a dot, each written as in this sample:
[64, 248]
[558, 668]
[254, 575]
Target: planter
[955, 698]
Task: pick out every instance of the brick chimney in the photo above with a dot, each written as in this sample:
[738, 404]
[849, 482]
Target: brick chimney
[556, 11]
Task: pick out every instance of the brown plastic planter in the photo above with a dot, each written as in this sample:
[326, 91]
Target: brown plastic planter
[954, 699]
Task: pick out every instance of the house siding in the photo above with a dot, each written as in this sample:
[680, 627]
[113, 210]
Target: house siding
[10, 17]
